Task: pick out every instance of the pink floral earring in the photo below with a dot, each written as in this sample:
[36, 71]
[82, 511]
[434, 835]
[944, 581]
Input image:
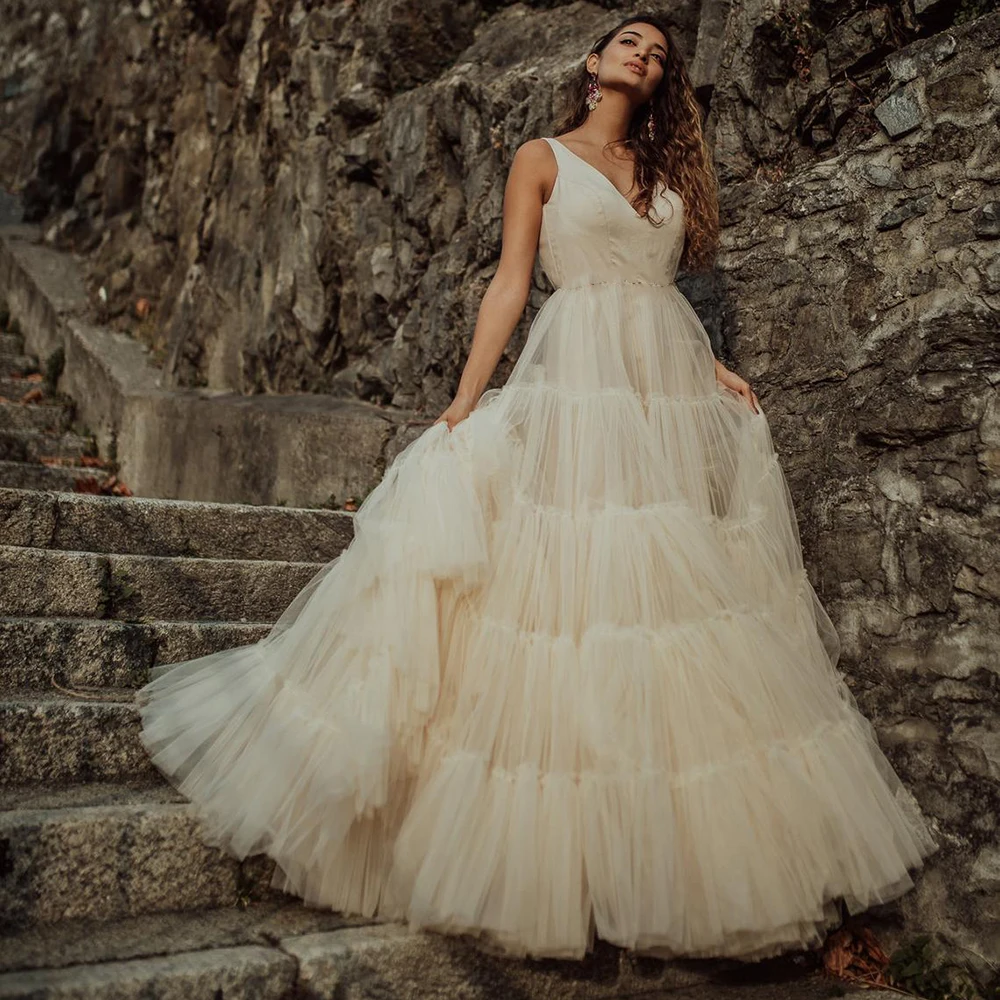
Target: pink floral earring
[651, 126]
[594, 92]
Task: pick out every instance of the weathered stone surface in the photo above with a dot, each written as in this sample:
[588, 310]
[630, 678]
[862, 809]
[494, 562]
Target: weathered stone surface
[860, 305]
[388, 960]
[36, 653]
[171, 527]
[135, 587]
[59, 738]
[899, 112]
[909, 63]
[377, 962]
[22, 417]
[40, 288]
[252, 971]
[31, 445]
[83, 941]
[34, 476]
[14, 386]
[58, 796]
[17, 364]
[376, 137]
[304, 449]
[143, 854]
[810, 79]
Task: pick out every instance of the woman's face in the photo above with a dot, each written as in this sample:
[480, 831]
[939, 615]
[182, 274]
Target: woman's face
[634, 58]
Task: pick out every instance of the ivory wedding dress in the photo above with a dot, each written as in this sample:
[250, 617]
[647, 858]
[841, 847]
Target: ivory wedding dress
[570, 676]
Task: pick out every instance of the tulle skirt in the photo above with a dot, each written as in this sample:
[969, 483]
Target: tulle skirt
[570, 677]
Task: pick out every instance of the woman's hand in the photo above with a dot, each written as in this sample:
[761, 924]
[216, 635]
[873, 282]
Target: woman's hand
[733, 381]
[461, 406]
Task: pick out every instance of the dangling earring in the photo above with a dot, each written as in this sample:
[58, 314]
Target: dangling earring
[650, 126]
[594, 92]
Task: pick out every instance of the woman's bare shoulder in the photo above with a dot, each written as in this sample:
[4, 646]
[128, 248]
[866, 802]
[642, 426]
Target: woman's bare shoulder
[534, 163]
[537, 151]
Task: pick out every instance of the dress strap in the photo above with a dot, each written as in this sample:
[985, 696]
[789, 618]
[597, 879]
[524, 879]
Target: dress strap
[563, 162]
[555, 144]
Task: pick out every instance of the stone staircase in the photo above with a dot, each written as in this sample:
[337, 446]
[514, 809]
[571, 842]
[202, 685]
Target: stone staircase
[106, 888]
[39, 447]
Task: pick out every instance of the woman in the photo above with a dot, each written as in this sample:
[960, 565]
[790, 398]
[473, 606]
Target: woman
[570, 677]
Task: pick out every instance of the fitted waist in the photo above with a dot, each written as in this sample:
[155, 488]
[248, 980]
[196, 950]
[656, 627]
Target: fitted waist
[589, 282]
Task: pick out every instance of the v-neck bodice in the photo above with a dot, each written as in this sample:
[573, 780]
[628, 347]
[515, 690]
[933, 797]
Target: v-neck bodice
[592, 233]
[586, 163]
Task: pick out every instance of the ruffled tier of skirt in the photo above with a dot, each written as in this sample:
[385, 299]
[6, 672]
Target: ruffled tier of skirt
[569, 678]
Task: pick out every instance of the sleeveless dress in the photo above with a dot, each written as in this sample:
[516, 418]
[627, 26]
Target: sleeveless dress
[570, 676]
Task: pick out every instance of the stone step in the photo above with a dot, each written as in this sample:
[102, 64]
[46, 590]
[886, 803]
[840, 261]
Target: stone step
[89, 652]
[14, 363]
[15, 388]
[86, 942]
[11, 343]
[85, 795]
[309, 449]
[110, 890]
[59, 738]
[111, 852]
[37, 476]
[45, 582]
[52, 417]
[31, 446]
[386, 960]
[55, 737]
[144, 526]
[261, 972]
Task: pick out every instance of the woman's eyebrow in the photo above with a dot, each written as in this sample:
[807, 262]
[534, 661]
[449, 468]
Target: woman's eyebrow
[656, 45]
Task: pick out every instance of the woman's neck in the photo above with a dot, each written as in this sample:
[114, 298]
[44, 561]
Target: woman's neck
[609, 121]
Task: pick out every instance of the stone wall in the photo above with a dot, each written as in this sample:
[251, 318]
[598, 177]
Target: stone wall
[860, 296]
[311, 193]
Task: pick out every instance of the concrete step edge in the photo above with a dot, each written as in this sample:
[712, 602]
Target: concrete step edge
[80, 521]
[47, 404]
[74, 800]
[10, 819]
[390, 960]
[82, 470]
[266, 973]
[166, 504]
[37, 582]
[81, 941]
[105, 653]
[61, 436]
[40, 700]
[54, 620]
[77, 554]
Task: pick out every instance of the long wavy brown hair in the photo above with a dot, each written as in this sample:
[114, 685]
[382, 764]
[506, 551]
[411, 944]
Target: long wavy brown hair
[678, 155]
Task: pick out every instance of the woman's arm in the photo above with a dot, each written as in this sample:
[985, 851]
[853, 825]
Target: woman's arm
[529, 182]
